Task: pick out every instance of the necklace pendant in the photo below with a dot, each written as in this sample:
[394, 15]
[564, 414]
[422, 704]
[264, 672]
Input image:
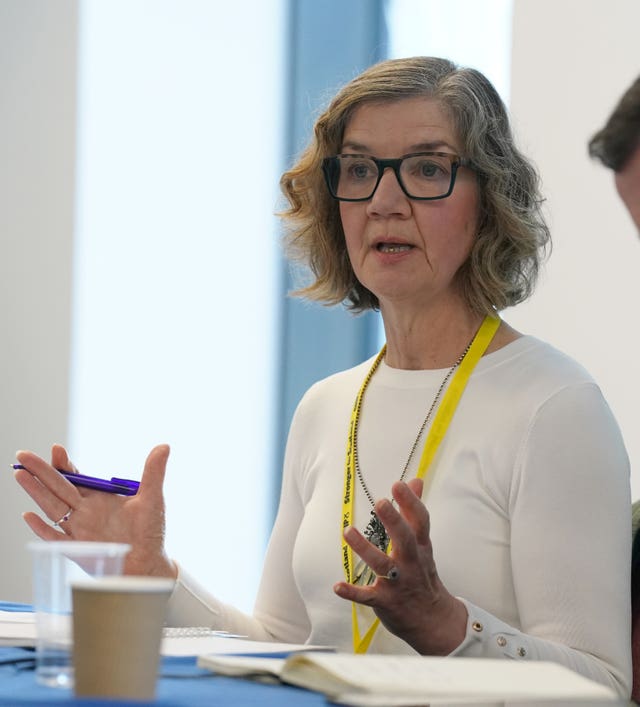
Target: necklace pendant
[363, 575]
[376, 533]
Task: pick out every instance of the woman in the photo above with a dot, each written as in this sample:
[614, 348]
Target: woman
[413, 200]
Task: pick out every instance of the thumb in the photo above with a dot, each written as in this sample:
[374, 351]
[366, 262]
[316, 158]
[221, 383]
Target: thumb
[154, 470]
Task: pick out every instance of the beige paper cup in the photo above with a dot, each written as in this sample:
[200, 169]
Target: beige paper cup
[117, 632]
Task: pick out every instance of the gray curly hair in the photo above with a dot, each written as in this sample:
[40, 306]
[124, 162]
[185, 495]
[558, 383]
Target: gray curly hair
[513, 237]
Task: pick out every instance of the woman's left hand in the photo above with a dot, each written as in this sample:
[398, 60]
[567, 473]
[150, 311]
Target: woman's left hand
[79, 513]
[407, 595]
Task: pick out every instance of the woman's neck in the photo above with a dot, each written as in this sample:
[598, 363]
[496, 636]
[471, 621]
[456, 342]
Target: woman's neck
[434, 338]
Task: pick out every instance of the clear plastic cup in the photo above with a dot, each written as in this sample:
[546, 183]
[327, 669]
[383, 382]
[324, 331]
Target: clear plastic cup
[55, 566]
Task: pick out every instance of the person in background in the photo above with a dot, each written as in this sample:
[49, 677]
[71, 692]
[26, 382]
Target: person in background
[617, 146]
[466, 491]
[635, 604]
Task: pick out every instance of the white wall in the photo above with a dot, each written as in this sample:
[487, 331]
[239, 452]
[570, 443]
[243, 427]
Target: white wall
[37, 162]
[456, 30]
[172, 251]
[572, 60]
[177, 266]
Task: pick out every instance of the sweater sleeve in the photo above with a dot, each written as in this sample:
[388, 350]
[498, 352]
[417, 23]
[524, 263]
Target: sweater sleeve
[570, 514]
[192, 605]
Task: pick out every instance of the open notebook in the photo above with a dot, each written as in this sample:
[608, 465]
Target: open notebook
[415, 680]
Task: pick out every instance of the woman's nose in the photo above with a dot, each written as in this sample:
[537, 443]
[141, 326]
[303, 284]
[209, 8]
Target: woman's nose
[388, 198]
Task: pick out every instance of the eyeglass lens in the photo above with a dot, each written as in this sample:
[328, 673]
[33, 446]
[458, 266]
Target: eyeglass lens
[424, 176]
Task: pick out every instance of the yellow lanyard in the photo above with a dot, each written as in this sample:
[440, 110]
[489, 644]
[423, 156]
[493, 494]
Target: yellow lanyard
[437, 432]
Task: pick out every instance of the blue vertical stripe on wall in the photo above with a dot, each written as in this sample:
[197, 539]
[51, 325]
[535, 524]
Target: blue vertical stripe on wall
[330, 41]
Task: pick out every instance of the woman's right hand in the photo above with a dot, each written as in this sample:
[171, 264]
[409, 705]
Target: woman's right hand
[87, 514]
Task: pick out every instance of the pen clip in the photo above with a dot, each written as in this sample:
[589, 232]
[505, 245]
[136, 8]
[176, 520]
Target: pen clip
[127, 483]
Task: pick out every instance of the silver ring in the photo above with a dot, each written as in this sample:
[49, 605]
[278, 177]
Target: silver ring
[393, 574]
[64, 518]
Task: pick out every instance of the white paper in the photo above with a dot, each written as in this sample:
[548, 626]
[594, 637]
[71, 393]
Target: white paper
[224, 645]
[242, 666]
[17, 628]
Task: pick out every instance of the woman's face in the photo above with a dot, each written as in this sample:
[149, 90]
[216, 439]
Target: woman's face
[403, 250]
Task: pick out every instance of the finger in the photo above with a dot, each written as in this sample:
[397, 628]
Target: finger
[417, 486]
[374, 557]
[49, 489]
[53, 506]
[352, 592]
[42, 529]
[399, 531]
[412, 510]
[60, 459]
[154, 472]
[401, 527]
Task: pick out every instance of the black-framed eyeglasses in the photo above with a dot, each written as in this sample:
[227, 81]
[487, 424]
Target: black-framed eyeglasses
[421, 175]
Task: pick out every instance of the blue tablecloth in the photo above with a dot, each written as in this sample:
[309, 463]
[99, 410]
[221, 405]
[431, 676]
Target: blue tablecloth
[14, 606]
[182, 684]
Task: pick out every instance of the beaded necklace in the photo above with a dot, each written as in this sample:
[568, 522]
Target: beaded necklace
[375, 531]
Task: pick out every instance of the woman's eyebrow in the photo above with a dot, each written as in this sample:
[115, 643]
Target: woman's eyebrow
[432, 146]
[356, 147]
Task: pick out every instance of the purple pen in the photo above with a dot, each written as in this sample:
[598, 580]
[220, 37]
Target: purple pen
[124, 487]
[125, 482]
